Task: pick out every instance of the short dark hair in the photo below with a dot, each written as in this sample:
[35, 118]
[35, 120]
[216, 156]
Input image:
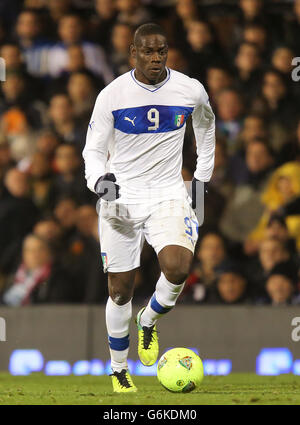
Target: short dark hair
[148, 29]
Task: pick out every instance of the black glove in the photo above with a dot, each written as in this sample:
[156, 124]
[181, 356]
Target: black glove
[195, 183]
[107, 188]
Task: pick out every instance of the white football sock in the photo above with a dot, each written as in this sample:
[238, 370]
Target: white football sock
[161, 302]
[117, 323]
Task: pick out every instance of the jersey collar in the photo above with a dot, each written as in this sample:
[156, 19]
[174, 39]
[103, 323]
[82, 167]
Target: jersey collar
[150, 87]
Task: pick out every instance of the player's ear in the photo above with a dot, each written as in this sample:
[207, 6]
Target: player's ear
[133, 51]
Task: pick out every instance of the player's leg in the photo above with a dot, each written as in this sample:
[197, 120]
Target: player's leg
[118, 316]
[173, 237]
[175, 262]
[121, 243]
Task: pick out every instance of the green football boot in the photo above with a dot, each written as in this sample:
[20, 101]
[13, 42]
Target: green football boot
[122, 382]
[147, 342]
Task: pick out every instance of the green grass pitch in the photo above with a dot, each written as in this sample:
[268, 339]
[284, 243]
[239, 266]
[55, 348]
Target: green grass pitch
[71, 390]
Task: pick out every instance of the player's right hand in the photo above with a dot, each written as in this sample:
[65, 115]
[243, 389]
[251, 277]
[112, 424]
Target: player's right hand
[107, 188]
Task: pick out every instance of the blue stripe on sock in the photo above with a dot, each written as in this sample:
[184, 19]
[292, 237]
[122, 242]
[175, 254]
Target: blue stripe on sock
[157, 307]
[118, 344]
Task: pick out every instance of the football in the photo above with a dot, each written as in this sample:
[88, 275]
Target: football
[180, 370]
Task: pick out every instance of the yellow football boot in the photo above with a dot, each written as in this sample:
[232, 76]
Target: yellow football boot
[147, 342]
[122, 382]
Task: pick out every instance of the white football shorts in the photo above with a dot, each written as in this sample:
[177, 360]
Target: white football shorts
[123, 229]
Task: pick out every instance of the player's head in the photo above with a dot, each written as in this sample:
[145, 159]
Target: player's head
[150, 50]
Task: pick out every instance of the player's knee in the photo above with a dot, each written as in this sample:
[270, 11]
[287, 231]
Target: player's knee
[176, 273]
[176, 268]
[120, 287]
[120, 299]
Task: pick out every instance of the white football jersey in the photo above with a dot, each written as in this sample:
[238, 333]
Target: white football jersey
[136, 132]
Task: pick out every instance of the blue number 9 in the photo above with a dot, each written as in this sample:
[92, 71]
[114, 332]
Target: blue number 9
[189, 226]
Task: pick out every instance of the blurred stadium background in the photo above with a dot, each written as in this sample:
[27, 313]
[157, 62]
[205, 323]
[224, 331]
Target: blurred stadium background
[242, 295]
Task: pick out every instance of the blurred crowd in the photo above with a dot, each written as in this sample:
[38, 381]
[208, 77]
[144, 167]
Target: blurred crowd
[59, 54]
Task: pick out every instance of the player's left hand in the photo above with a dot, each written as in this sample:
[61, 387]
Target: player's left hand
[196, 191]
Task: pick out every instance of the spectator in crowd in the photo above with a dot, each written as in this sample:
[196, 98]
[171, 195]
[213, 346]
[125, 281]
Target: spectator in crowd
[231, 287]
[229, 110]
[281, 286]
[221, 179]
[102, 22]
[253, 12]
[248, 68]
[218, 78]
[11, 53]
[132, 12]
[282, 58]
[185, 12]
[244, 207]
[85, 268]
[202, 48]
[33, 45]
[46, 143]
[70, 30]
[56, 10]
[283, 186]
[14, 62]
[76, 59]
[271, 252]
[17, 97]
[82, 93]
[121, 39]
[65, 214]
[18, 215]
[51, 231]
[69, 180]
[210, 253]
[253, 127]
[40, 181]
[256, 34]
[254, 166]
[75, 65]
[176, 60]
[63, 122]
[37, 279]
[275, 102]
[277, 228]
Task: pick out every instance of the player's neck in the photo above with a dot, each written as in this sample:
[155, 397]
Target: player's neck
[143, 79]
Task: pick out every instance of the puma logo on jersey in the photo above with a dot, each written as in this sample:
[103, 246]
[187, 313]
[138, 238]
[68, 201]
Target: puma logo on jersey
[132, 121]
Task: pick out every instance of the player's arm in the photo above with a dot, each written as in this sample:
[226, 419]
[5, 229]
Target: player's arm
[95, 152]
[203, 120]
[204, 130]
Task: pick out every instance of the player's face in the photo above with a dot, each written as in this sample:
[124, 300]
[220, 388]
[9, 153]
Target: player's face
[151, 56]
